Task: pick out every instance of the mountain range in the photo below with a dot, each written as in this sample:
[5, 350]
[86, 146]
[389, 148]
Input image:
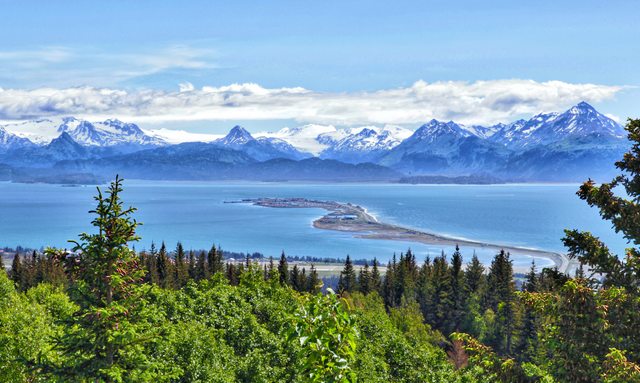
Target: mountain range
[568, 146]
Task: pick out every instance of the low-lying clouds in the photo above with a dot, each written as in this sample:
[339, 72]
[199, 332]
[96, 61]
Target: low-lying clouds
[480, 102]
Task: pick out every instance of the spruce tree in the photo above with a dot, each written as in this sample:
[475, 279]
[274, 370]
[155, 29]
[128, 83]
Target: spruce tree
[623, 213]
[104, 339]
[192, 265]
[294, 278]
[314, 283]
[202, 268]
[500, 298]
[425, 288]
[271, 270]
[165, 268]
[232, 274]
[283, 270]
[528, 340]
[215, 261]
[181, 267]
[347, 281]
[17, 271]
[376, 279]
[458, 293]
[474, 275]
[152, 265]
[389, 284]
[364, 279]
[441, 306]
[302, 280]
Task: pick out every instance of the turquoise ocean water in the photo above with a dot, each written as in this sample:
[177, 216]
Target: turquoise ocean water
[36, 215]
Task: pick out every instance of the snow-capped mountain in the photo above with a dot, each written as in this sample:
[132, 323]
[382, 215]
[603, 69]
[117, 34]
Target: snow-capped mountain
[580, 121]
[306, 138]
[438, 147]
[237, 137]
[261, 148]
[111, 132]
[363, 144]
[354, 145]
[107, 133]
[10, 141]
[572, 145]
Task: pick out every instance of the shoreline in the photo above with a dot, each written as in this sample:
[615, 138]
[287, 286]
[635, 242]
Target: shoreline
[354, 219]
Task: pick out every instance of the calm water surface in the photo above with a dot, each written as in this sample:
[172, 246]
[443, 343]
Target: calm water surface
[195, 213]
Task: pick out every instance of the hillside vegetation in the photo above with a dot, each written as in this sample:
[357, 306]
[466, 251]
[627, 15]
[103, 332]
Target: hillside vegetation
[104, 313]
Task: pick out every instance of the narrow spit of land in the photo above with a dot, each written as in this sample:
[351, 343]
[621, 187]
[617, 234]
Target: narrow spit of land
[355, 219]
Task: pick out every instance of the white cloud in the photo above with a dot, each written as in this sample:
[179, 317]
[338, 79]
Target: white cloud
[64, 65]
[481, 102]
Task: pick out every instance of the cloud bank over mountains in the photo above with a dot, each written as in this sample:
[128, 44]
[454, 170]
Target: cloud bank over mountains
[479, 102]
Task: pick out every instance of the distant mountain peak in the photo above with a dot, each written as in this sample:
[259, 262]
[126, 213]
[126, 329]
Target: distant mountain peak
[65, 143]
[237, 136]
[435, 128]
[582, 108]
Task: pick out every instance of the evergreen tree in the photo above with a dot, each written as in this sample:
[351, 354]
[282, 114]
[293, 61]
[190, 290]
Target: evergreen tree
[389, 285]
[458, 294]
[440, 307]
[528, 340]
[347, 281]
[202, 268]
[425, 288]
[17, 273]
[283, 270]
[500, 297]
[193, 269]
[376, 279]
[302, 280]
[181, 268]
[215, 261]
[294, 278]
[624, 215]
[232, 274]
[103, 340]
[474, 276]
[364, 279]
[314, 283]
[272, 272]
[152, 266]
[165, 268]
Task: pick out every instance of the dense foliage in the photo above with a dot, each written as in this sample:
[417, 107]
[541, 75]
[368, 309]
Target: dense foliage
[103, 313]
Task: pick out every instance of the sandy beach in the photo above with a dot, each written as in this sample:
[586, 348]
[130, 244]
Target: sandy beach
[347, 217]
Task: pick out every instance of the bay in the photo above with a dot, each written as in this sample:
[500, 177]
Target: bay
[195, 213]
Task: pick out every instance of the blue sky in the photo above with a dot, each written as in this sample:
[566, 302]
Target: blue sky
[332, 49]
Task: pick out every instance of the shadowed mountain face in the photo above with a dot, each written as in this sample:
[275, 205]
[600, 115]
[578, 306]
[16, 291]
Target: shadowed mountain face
[569, 146]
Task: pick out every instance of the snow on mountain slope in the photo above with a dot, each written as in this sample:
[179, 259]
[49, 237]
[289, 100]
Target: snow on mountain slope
[106, 133]
[304, 138]
[12, 141]
[317, 139]
[177, 136]
[236, 137]
[261, 148]
[580, 121]
[40, 132]
[372, 138]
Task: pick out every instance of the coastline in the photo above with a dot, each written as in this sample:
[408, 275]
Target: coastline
[354, 219]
